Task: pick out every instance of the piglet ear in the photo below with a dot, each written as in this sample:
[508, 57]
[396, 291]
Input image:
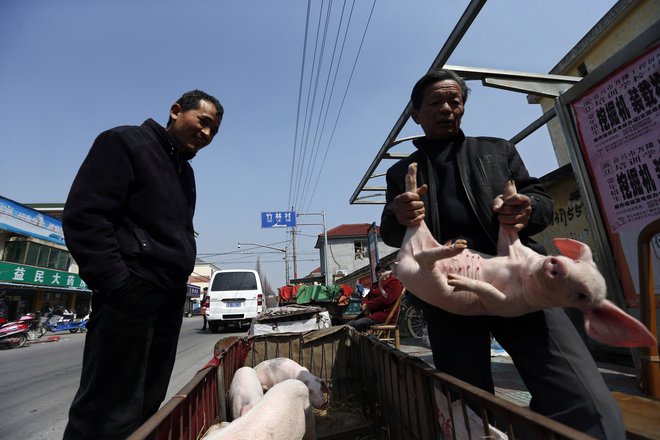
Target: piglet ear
[610, 325]
[324, 387]
[573, 249]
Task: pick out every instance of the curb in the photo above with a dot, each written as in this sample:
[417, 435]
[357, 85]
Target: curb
[48, 339]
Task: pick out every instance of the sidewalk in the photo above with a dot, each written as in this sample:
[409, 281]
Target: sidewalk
[641, 414]
[510, 386]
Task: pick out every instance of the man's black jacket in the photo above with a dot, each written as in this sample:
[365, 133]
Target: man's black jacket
[484, 165]
[130, 210]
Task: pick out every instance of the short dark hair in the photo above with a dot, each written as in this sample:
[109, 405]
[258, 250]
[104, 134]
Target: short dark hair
[190, 101]
[433, 77]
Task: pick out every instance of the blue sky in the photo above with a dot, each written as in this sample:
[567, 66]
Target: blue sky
[73, 68]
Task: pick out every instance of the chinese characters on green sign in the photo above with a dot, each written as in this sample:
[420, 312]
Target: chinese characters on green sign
[19, 273]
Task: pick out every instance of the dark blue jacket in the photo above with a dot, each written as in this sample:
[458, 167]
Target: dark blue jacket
[130, 210]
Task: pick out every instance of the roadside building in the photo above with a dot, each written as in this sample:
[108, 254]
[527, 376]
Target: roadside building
[36, 270]
[314, 277]
[201, 274]
[198, 279]
[348, 249]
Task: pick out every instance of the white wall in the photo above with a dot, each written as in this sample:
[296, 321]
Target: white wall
[341, 254]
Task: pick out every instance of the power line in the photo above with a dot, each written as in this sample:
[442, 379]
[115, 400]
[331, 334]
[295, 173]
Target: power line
[344, 98]
[317, 136]
[309, 138]
[302, 74]
[303, 145]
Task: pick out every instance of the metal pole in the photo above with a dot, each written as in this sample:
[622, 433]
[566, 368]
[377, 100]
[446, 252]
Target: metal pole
[286, 261]
[295, 260]
[286, 265]
[325, 251]
[650, 368]
[324, 263]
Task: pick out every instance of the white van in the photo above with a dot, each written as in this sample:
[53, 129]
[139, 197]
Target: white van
[235, 297]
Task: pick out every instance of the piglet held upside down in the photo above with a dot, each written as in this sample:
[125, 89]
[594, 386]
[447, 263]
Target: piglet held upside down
[515, 282]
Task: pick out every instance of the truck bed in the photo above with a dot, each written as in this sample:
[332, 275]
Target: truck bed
[396, 395]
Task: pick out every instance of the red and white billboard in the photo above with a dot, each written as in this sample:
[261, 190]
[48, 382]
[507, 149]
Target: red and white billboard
[618, 122]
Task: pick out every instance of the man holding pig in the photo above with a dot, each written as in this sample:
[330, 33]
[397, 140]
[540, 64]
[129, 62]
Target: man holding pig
[461, 177]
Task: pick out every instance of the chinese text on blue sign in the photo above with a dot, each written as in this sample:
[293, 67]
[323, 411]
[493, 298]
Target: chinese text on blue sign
[278, 219]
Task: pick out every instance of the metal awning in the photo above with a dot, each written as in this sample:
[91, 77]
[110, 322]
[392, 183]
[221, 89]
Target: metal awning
[371, 188]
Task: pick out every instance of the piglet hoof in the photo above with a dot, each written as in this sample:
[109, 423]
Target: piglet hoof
[458, 245]
[458, 281]
[461, 283]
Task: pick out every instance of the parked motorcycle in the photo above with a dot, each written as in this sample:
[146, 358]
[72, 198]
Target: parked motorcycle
[13, 334]
[56, 323]
[36, 328]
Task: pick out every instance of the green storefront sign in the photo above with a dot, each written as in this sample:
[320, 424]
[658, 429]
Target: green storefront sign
[19, 273]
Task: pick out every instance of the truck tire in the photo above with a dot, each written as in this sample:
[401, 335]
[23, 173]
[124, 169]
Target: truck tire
[214, 326]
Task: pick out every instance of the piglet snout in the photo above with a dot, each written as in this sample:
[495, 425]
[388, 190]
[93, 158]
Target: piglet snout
[555, 268]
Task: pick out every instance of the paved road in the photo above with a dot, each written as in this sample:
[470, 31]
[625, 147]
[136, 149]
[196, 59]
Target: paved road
[38, 382]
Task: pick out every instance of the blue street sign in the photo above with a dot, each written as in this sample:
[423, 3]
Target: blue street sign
[278, 219]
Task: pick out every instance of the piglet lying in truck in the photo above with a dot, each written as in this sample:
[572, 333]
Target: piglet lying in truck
[273, 371]
[284, 413]
[245, 391]
[516, 281]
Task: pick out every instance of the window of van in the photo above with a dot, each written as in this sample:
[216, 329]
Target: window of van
[234, 281]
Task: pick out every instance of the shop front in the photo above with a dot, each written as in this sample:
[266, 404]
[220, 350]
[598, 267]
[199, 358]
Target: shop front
[192, 300]
[25, 289]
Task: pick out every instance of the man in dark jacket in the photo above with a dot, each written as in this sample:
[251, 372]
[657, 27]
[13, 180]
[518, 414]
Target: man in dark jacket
[461, 177]
[128, 223]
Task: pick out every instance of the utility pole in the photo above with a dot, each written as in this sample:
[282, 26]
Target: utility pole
[325, 251]
[286, 265]
[285, 250]
[325, 242]
[295, 260]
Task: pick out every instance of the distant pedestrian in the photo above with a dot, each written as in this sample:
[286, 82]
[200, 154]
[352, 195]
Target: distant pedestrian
[378, 303]
[204, 303]
[128, 223]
